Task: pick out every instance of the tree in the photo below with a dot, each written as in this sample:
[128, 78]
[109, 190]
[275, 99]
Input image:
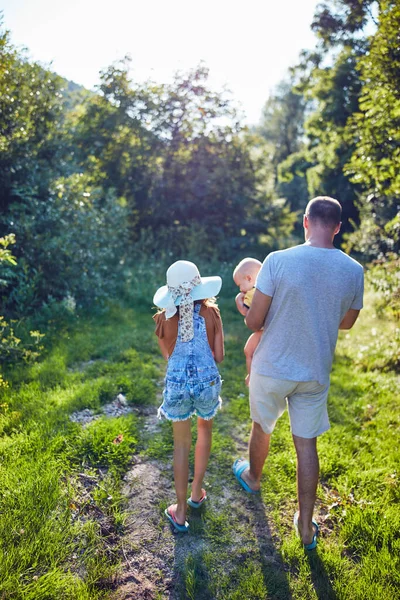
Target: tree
[374, 128]
[375, 162]
[282, 121]
[30, 108]
[176, 155]
[69, 234]
[338, 22]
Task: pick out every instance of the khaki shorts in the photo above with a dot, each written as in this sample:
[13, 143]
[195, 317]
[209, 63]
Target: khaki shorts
[306, 402]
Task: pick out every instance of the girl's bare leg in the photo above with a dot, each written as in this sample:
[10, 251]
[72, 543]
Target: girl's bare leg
[182, 442]
[201, 456]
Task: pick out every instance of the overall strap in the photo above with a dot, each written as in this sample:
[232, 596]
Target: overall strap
[197, 308]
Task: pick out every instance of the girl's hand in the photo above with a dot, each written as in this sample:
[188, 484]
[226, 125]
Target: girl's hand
[219, 349]
[163, 348]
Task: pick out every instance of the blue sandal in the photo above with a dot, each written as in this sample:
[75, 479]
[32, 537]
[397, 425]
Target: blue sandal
[194, 504]
[314, 542]
[239, 466]
[177, 526]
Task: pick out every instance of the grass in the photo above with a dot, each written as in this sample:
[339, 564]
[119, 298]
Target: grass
[61, 507]
[60, 483]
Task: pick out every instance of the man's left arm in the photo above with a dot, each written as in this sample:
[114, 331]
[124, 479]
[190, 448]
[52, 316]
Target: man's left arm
[258, 311]
[352, 314]
[349, 319]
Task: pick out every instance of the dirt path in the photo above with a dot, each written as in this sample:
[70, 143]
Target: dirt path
[155, 558]
[147, 570]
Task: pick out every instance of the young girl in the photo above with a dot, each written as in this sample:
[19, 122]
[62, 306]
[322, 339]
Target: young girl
[191, 338]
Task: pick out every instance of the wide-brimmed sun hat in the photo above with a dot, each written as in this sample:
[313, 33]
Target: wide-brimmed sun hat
[181, 275]
[184, 286]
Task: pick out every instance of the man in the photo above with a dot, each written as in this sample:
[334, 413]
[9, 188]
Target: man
[303, 296]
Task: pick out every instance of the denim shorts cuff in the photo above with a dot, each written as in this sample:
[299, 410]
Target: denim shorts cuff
[212, 414]
[162, 413]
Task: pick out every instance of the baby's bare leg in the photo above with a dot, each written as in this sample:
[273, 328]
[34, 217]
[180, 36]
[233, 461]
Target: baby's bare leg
[249, 350]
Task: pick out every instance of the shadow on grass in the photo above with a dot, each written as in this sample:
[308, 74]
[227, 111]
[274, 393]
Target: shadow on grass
[273, 567]
[255, 571]
[191, 578]
[320, 578]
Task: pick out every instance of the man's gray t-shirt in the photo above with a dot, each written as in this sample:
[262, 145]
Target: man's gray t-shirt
[312, 289]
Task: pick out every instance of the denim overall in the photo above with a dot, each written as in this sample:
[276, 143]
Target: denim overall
[192, 382]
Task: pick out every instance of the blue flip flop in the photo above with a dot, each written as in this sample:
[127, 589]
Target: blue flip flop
[194, 504]
[238, 467]
[177, 526]
[314, 542]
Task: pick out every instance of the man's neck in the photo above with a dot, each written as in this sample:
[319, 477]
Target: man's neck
[320, 242]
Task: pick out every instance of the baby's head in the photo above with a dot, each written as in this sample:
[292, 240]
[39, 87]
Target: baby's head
[245, 274]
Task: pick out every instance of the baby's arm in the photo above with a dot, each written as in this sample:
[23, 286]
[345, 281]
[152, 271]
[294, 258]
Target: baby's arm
[240, 304]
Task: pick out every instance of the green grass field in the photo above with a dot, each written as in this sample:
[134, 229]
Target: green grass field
[63, 514]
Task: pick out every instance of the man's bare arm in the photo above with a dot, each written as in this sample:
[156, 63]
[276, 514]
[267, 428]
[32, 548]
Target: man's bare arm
[349, 319]
[258, 311]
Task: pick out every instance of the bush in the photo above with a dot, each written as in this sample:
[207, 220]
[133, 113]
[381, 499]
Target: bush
[385, 278]
[72, 246]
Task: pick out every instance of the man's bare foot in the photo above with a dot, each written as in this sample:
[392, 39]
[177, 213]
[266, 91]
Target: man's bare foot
[307, 534]
[254, 485]
[241, 471]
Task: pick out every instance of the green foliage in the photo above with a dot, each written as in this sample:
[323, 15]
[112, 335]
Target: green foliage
[375, 165]
[30, 107]
[374, 128]
[338, 21]
[70, 235]
[282, 127]
[335, 90]
[180, 160]
[282, 121]
[384, 276]
[11, 348]
[5, 254]
[312, 155]
[74, 244]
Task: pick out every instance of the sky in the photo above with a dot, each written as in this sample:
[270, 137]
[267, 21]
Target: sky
[248, 46]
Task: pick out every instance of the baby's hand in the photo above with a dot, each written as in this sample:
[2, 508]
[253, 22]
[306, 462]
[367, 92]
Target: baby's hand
[240, 304]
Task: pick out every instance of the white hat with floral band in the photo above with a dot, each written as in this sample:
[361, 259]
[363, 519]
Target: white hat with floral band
[184, 286]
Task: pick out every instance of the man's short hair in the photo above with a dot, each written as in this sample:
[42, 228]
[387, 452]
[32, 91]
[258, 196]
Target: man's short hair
[324, 209]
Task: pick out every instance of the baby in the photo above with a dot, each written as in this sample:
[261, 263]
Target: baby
[244, 276]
